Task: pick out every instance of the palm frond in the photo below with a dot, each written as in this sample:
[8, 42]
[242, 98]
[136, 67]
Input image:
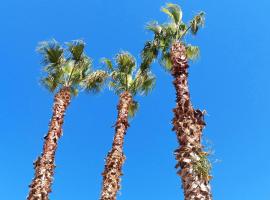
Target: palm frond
[165, 61]
[142, 83]
[118, 81]
[76, 48]
[193, 52]
[169, 33]
[148, 55]
[122, 77]
[52, 52]
[74, 91]
[125, 62]
[79, 70]
[51, 82]
[148, 84]
[116, 87]
[133, 108]
[95, 80]
[174, 12]
[154, 27]
[68, 67]
[108, 64]
[197, 22]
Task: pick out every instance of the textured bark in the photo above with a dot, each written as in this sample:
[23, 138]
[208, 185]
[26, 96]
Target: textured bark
[44, 165]
[115, 158]
[188, 125]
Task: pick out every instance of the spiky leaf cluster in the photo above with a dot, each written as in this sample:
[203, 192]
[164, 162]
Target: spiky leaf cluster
[68, 66]
[125, 78]
[166, 34]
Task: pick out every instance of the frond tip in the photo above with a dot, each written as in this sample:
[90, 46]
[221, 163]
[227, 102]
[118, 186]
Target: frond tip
[174, 12]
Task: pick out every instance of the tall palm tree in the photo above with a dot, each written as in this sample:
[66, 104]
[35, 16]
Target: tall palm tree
[125, 83]
[173, 52]
[64, 76]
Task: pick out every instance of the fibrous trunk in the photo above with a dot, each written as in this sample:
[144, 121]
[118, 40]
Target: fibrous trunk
[44, 165]
[116, 157]
[188, 124]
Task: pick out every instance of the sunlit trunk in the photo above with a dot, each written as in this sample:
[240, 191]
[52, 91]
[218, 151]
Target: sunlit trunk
[188, 124]
[44, 165]
[116, 157]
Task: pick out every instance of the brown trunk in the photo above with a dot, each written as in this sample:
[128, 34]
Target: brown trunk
[44, 165]
[188, 125]
[115, 158]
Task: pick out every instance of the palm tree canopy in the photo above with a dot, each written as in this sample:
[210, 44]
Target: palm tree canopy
[69, 66]
[166, 34]
[125, 78]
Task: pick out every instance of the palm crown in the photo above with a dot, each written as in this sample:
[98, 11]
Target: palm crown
[166, 34]
[69, 67]
[125, 78]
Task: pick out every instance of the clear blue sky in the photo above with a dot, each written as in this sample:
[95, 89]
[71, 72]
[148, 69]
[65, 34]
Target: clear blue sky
[230, 80]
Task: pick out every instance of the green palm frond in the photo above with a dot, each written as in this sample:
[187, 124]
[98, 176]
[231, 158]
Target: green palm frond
[148, 55]
[197, 22]
[168, 33]
[174, 12]
[76, 48]
[143, 83]
[52, 53]
[49, 83]
[154, 27]
[80, 69]
[125, 62]
[165, 61]
[118, 81]
[193, 52]
[108, 63]
[133, 108]
[69, 67]
[147, 84]
[123, 77]
[74, 91]
[170, 30]
[95, 81]
[53, 59]
[116, 87]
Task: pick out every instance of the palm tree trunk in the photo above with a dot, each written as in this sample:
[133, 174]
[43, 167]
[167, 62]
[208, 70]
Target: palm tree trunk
[115, 158]
[44, 165]
[188, 125]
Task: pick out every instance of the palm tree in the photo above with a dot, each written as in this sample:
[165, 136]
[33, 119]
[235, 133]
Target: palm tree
[64, 76]
[126, 84]
[173, 52]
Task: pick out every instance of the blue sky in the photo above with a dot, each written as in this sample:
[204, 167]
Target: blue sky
[230, 80]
